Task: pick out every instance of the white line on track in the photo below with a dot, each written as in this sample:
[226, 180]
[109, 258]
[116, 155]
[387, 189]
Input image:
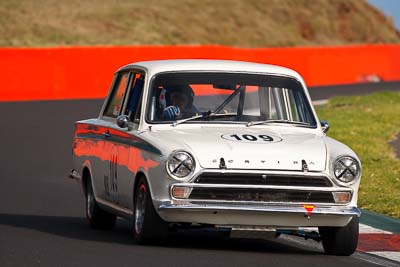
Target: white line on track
[366, 229]
[392, 255]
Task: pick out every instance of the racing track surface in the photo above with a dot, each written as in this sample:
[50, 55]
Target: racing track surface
[42, 219]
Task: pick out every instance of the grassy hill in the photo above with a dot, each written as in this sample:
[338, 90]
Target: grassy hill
[244, 23]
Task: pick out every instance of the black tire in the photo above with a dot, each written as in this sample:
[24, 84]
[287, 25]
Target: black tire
[97, 218]
[148, 227]
[340, 241]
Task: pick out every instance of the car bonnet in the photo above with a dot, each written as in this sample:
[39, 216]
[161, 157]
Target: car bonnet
[249, 148]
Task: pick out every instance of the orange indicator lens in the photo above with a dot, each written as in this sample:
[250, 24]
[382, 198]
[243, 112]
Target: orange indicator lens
[181, 192]
[342, 197]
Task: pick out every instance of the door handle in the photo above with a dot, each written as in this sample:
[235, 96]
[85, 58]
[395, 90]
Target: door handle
[107, 134]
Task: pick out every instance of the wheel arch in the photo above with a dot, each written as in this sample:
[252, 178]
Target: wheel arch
[86, 174]
[139, 175]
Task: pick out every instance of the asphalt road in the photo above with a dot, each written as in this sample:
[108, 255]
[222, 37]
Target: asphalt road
[325, 92]
[42, 212]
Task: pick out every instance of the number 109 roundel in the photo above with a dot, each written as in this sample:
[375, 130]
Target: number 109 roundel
[224, 144]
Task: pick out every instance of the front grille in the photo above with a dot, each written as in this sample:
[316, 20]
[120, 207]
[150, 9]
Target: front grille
[261, 195]
[260, 179]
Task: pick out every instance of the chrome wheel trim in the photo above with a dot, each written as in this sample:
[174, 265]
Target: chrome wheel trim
[140, 208]
[90, 203]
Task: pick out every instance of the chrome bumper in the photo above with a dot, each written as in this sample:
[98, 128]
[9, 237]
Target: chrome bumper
[257, 214]
[332, 210]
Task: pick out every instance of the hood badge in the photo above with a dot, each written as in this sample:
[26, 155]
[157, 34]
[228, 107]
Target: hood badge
[304, 166]
[222, 164]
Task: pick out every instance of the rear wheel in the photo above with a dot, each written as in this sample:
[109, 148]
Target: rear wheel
[340, 240]
[148, 227]
[97, 218]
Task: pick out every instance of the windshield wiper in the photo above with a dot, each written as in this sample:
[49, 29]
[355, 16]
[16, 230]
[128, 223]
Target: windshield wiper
[204, 115]
[251, 123]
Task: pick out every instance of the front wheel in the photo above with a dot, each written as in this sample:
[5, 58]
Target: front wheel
[341, 241]
[148, 227]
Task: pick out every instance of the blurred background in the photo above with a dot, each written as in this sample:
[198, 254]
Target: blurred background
[239, 23]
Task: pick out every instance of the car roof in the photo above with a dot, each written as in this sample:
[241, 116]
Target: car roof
[157, 66]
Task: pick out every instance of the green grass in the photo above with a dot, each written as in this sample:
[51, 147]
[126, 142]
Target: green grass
[367, 124]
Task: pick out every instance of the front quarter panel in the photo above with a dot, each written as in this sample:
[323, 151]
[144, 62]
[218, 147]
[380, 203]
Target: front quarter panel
[336, 149]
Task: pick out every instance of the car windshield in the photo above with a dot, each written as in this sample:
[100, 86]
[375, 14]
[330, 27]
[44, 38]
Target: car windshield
[250, 99]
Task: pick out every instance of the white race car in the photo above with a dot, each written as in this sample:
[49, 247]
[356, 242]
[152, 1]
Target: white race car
[225, 144]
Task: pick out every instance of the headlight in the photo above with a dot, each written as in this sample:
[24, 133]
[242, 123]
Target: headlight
[346, 169]
[180, 165]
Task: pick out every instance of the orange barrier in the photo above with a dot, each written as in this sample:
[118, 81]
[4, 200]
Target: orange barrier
[86, 72]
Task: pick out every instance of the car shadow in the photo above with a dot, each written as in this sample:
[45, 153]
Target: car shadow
[69, 227]
[221, 241]
[77, 228]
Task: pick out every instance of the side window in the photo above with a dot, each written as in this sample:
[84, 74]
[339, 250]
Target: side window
[115, 102]
[133, 106]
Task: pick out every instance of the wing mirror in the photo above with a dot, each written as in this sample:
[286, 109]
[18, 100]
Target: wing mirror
[122, 121]
[324, 126]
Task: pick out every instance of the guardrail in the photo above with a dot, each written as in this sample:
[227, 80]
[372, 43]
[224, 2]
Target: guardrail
[86, 72]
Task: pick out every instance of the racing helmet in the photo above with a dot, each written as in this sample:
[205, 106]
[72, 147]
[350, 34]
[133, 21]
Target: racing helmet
[183, 90]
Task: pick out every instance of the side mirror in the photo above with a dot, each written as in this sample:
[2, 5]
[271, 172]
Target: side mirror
[324, 126]
[122, 121]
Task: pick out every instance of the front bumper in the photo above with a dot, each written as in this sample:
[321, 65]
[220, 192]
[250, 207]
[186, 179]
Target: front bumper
[272, 215]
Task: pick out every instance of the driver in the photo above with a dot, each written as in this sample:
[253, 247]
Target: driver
[179, 102]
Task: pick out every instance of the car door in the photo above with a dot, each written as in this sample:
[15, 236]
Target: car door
[127, 139]
[118, 177]
[109, 166]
